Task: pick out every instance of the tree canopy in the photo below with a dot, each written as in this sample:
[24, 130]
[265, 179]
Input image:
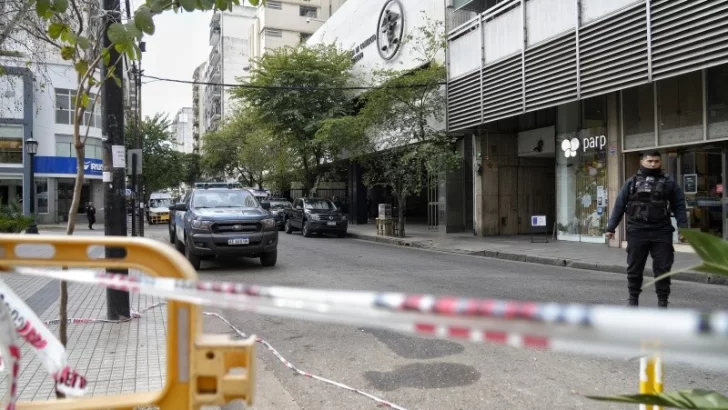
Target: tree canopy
[294, 90]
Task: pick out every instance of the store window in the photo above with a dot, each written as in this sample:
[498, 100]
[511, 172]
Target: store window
[680, 109]
[717, 96]
[581, 171]
[638, 111]
[41, 196]
[65, 147]
[11, 144]
[65, 106]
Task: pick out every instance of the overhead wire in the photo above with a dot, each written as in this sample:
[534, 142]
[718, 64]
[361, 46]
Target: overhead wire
[292, 87]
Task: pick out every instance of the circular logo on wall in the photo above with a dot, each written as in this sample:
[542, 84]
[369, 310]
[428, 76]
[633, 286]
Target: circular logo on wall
[390, 30]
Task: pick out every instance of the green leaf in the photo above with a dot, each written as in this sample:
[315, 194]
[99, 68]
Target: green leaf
[697, 399]
[134, 31]
[2, 70]
[105, 56]
[120, 48]
[711, 249]
[55, 30]
[67, 52]
[206, 4]
[68, 36]
[188, 5]
[117, 33]
[116, 79]
[82, 42]
[42, 7]
[92, 81]
[143, 20]
[84, 100]
[157, 6]
[60, 5]
[81, 66]
[221, 4]
[253, 2]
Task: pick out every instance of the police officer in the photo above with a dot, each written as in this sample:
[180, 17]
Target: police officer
[649, 199]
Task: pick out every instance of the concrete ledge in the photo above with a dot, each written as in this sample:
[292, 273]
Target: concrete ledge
[542, 260]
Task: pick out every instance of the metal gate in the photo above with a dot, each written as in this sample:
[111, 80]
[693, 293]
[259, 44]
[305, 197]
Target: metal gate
[433, 203]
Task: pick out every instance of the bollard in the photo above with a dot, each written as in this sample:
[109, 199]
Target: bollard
[651, 381]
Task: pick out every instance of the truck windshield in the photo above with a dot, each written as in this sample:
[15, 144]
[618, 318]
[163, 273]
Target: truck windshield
[224, 199]
[160, 203]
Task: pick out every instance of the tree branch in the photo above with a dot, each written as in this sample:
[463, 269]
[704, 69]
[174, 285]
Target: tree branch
[15, 21]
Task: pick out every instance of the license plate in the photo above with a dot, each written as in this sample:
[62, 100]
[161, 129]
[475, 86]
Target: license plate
[331, 223]
[239, 241]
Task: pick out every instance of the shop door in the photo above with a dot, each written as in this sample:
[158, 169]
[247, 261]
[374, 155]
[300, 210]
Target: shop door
[702, 180]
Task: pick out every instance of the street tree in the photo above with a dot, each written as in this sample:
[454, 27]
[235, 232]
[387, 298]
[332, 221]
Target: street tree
[405, 147]
[292, 91]
[75, 30]
[191, 168]
[244, 148]
[164, 167]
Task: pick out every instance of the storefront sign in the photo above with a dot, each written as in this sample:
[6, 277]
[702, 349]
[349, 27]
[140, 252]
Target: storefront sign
[690, 183]
[67, 165]
[538, 220]
[598, 142]
[388, 34]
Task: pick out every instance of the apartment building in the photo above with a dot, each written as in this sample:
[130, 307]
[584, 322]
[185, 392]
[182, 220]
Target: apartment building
[229, 60]
[288, 23]
[182, 126]
[198, 107]
[556, 99]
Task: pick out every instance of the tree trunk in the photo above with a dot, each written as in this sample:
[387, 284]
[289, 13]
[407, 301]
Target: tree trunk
[401, 202]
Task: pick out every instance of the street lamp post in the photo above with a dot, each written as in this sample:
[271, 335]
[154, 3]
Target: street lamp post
[31, 148]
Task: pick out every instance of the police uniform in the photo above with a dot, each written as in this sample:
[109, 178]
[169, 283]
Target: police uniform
[648, 200]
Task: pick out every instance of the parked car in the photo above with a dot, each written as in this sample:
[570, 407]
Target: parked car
[316, 215]
[223, 222]
[279, 210]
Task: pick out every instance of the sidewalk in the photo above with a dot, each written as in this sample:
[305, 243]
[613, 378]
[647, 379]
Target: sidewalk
[115, 358]
[519, 248]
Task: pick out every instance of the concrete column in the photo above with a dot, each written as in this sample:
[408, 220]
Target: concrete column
[614, 158]
[477, 185]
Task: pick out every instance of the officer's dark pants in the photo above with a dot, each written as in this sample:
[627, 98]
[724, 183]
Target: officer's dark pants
[639, 246]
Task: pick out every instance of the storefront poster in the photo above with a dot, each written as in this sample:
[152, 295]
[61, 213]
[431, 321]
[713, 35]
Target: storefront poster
[690, 183]
[67, 165]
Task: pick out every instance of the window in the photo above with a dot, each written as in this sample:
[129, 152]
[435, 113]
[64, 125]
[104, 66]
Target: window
[305, 36]
[65, 148]
[717, 93]
[41, 196]
[272, 32]
[275, 5]
[322, 204]
[11, 144]
[680, 109]
[306, 11]
[638, 109]
[66, 103]
[224, 199]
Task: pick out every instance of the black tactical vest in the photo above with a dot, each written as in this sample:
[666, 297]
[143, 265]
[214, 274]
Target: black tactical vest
[649, 199]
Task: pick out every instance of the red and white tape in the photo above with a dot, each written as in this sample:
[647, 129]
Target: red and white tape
[10, 349]
[44, 344]
[563, 327]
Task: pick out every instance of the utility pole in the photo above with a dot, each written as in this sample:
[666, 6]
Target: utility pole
[117, 302]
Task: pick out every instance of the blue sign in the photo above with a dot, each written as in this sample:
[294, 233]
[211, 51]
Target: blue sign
[67, 165]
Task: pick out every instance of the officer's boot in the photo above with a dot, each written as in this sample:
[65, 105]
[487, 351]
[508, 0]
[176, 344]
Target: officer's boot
[633, 301]
[662, 303]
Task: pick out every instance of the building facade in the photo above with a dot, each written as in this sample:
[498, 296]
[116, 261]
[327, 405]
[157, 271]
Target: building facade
[198, 108]
[183, 129]
[229, 60]
[288, 23]
[557, 98]
[356, 27]
[45, 113]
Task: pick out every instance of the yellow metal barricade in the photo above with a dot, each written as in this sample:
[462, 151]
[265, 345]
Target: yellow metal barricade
[199, 367]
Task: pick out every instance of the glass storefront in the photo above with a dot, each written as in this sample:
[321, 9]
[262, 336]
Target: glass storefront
[581, 172]
[65, 196]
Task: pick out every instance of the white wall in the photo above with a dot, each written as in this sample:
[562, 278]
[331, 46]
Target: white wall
[357, 20]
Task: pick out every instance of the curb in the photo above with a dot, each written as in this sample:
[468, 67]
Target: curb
[697, 277]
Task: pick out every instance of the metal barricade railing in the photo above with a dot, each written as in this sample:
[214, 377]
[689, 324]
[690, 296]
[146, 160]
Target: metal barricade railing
[198, 366]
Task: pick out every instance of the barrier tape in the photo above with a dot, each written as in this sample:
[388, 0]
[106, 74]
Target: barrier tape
[680, 335]
[9, 348]
[49, 350]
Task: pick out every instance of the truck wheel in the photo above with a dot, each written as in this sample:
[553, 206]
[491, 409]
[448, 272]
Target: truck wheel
[194, 260]
[305, 230]
[269, 258]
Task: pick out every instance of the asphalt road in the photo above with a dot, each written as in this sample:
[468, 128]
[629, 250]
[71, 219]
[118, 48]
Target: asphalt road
[420, 373]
